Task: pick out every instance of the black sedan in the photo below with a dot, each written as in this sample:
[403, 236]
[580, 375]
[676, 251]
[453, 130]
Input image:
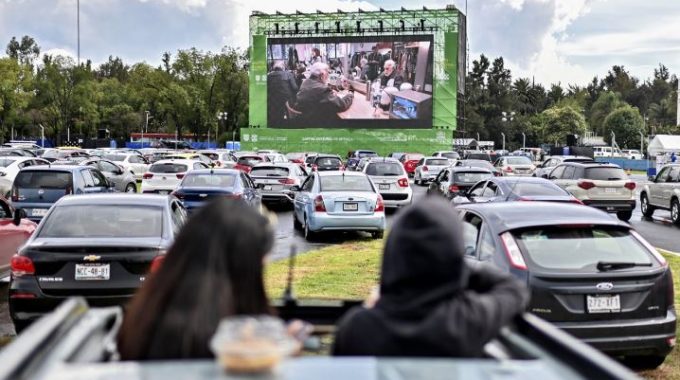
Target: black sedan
[453, 181]
[508, 189]
[99, 246]
[199, 186]
[589, 274]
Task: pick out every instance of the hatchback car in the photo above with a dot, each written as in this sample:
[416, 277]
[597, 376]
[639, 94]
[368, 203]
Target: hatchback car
[589, 274]
[100, 247]
[326, 162]
[164, 175]
[543, 169]
[132, 162]
[508, 189]
[122, 180]
[392, 181]
[338, 201]
[410, 161]
[662, 192]
[276, 180]
[428, 168]
[520, 166]
[200, 186]
[454, 181]
[600, 185]
[37, 188]
[15, 229]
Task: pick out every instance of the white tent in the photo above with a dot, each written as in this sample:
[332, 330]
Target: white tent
[662, 144]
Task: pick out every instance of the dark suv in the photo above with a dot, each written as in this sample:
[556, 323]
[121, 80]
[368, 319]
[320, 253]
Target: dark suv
[36, 188]
[325, 162]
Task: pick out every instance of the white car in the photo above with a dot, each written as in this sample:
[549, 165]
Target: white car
[391, 181]
[428, 168]
[10, 166]
[131, 162]
[277, 158]
[515, 166]
[164, 175]
[632, 154]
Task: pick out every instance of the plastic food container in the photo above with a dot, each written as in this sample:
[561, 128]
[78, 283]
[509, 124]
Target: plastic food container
[252, 344]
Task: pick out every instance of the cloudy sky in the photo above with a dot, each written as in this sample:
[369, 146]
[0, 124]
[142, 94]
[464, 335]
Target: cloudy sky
[566, 41]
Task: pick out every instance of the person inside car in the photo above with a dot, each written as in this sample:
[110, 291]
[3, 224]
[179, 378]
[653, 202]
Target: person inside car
[213, 270]
[431, 303]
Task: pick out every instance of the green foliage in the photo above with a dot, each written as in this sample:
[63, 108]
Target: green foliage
[603, 106]
[626, 123]
[556, 123]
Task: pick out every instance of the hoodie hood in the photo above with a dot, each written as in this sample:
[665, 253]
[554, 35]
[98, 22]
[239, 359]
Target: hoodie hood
[423, 260]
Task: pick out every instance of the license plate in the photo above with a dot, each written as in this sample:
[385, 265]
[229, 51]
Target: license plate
[610, 190]
[267, 188]
[350, 206]
[603, 304]
[89, 272]
[163, 192]
[384, 187]
[39, 212]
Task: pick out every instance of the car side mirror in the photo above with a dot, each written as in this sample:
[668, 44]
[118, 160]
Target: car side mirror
[19, 214]
[651, 178]
[295, 188]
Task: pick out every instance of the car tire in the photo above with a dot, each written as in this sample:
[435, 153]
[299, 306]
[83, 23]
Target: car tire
[645, 207]
[644, 362]
[131, 188]
[675, 212]
[624, 215]
[309, 234]
[378, 234]
[296, 223]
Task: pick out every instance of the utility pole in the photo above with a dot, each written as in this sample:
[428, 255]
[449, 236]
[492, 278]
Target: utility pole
[146, 126]
[42, 135]
[78, 26]
[524, 140]
[503, 134]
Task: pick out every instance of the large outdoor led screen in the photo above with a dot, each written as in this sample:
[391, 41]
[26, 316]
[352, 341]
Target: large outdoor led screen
[350, 82]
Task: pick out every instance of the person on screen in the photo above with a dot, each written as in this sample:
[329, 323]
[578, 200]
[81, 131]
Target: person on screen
[430, 302]
[316, 101]
[390, 77]
[316, 56]
[373, 64]
[281, 88]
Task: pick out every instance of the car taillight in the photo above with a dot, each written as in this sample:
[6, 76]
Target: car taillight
[425, 168]
[513, 252]
[234, 196]
[287, 181]
[379, 204]
[156, 263]
[319, 206]
[586, 185]
[21, 295]
[507, 169]
[147, 176]
[402, 182]
[454, 189]
[21, 265]
[630, 185]
[180, 175]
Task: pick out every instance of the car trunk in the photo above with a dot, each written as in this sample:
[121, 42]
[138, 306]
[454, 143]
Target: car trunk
[521, 169]
[200, 194]
[607, 190]
[386, 184]
[344, 204]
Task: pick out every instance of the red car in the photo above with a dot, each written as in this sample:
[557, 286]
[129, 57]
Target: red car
[410, 161]
[246, 163]
[15, 229]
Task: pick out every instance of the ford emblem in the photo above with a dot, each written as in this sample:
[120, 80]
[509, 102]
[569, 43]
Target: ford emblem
[605, 286]
[41, 192]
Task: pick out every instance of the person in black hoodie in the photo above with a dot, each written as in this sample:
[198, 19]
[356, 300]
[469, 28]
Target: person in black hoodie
[431, 302]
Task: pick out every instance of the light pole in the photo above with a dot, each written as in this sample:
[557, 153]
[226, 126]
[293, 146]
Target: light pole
[42, 135]
[524, 140]
[222, 116]
[146, 126]
[503, 134]
[507, 116]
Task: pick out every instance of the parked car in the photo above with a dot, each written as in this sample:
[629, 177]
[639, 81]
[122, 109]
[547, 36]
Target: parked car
[395, 155]
[123, 180]
[544, 168]
[164, 175]
[15, 229]
[52, 155]
[606, 151]
[276, 158]
[600, 185]
[190, 156]
[199, 186]
[515, 166]
[428, 168]
[451, 155]
[19, 152]
[338, 201]
[326, 162]
[354, 157]
[662, 192]
[484, 156]
[454, 181]
[297, 157]
[101, 247]
[245, 163]
[275, 181]
[509, 189]
[589, 274]
[10, 167]
[632, 154]
[410, 161]
[37, 188]
[132, 162]
[389, 176]
[267, 152]
[479, 164]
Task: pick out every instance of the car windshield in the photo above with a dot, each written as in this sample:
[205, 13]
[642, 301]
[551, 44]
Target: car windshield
[471, 177]
[437, 162]
[121, 221]
[605, 174]
[209, 180]
[367, 154]
[518, 160]
[328, 161]
[387, 169]
[346, 183]
[536, 189]
[115, 157]
[250, 161]
[37, 179]
[270, 171]
[579, 249]
[5, 162]
[168, 167]
[452, 155]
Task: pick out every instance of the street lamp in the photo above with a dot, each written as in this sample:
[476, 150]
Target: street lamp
[503, 134]
[507, 116]
[223, 116]
[42, 135]
[524, 140]
[146, 127]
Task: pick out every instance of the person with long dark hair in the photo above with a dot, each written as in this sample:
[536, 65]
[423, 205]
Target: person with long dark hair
[213, 270]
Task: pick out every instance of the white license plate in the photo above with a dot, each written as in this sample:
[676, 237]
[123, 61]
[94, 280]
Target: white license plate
[383, 187]
[163, 192]
[87, 272]
[267, 188]
[350, 206]
[610, 190]
[603, 304]
[39, 212]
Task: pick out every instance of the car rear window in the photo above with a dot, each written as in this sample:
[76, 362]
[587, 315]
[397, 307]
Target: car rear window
[413, 157]
[115, 157]
[605, 174]
[124, 221]
[437, 162]
[250, 161]
[168, 168]
[536, 189]
[36, 179]
[367, 154]
[518, 161]
[328, 161]
[388, 169]
[270, 171]
[209, 180]
[579, 249]
[346, 183]
[451, 155]
[471, 177]
[5, 162]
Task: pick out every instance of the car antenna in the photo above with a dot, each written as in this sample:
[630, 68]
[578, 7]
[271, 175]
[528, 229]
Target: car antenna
[288, 296]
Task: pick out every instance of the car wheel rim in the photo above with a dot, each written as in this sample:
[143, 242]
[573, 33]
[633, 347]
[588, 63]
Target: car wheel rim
[130, 189]
[674, 211]
[644, 205]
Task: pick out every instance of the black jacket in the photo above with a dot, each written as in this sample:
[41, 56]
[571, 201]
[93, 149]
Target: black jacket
[319, 104]
[432, 303]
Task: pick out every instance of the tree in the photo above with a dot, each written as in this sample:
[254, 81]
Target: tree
[25, 52]
[626, 123]
[556, 123]
[603, 106]
[15, 93]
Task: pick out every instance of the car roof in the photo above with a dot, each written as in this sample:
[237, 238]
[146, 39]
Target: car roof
[175, 161]
[506, 216]
[592, 164]
[336, 172]
[383, 159]
[62, 168]
[214, 171]
[114, 199]
[276, 164]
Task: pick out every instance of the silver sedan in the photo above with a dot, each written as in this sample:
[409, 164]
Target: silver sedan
[123, 180]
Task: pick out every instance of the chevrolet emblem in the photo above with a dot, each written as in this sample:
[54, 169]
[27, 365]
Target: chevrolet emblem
[91, 258]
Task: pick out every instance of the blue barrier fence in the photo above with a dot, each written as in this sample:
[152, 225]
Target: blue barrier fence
[194, 145]
[640, 165]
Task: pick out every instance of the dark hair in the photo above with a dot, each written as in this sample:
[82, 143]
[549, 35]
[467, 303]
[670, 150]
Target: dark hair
[213, 270]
